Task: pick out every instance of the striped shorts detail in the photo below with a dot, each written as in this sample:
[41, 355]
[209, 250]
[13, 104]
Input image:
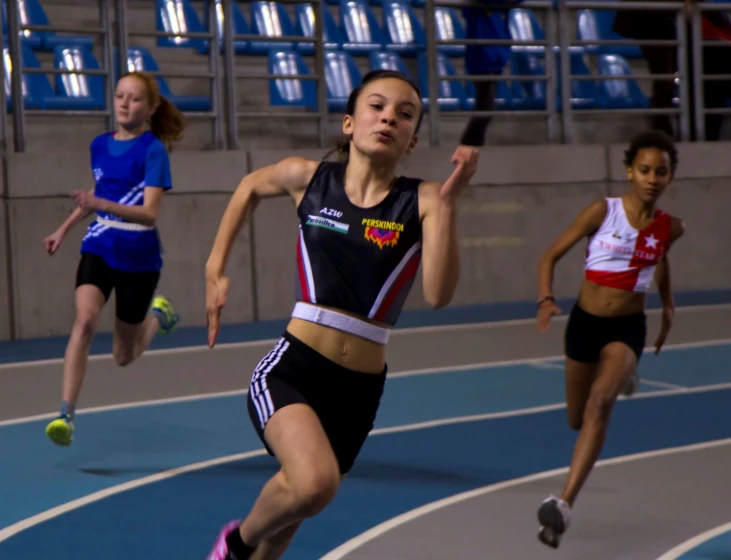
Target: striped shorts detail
[345, 401]
[258, 389]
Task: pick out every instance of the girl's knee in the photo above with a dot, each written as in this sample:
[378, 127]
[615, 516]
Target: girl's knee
[599, 406]
[123, 356]
[314, 491]
[576, 421]
[126, 343]
[86, 324]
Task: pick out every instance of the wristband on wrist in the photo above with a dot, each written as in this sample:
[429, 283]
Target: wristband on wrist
[546, 298]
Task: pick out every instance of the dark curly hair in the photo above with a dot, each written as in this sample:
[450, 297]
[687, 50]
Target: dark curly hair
[343, 144]
[652, 139]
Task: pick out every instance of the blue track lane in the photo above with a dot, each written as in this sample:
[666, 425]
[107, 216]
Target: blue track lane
[717, 548]
[179, 517]
[117, 446]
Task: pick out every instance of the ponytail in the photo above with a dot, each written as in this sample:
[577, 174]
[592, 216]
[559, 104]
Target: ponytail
[342, 148]
[167, 123]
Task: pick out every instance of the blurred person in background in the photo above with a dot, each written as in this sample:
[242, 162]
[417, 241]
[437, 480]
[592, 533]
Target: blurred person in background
[661, 25]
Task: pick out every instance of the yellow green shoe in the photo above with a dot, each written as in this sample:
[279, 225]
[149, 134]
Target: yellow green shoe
[60, 431]
[165, 314]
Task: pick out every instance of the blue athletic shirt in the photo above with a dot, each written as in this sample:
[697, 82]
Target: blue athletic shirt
[122, 169]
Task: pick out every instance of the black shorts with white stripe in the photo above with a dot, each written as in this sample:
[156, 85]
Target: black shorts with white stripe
[345, 401]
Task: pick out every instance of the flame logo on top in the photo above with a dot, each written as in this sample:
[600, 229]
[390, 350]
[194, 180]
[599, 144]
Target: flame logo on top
[381, 237]
[382, 232]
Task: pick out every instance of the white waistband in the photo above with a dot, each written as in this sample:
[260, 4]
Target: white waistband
[341, 322]
[129, 226]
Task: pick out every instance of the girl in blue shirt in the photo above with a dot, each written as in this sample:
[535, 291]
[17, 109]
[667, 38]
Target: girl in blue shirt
[121, 249]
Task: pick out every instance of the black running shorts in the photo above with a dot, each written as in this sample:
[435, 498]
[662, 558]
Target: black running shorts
[134, 290]
[587, 334]
[345, 401]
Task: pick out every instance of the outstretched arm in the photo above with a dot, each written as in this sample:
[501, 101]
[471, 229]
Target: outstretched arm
[664, 287]
[440, 244]
[585, 224]
[289, 176]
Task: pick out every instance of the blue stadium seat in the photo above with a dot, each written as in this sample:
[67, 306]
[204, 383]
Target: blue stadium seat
[30, 12]
[449, 28]
[622, 93]
[452, 95]
[596, 25]
[37, 90]
[178, 16]
[241, 26]
[32, 39]
[305, 26]
[404, 33]
[382, 60]
[342, 76]
[360, 28]
[584, 94]
[528, 95]
[139, 59]
[290, 92]
[87, 88]
[503, 98]
[523, 25]
[270, 19]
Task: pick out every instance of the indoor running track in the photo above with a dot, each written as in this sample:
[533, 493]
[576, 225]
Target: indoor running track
[469, 440]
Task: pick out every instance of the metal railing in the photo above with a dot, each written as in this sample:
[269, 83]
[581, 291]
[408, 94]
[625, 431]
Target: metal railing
[700, 77]
[17, 69]
[213, 74]
[547, 45]
[233, 76]
[224, 77]
[680, 43]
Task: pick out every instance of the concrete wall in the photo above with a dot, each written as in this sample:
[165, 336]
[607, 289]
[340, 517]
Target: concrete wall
[521, 198]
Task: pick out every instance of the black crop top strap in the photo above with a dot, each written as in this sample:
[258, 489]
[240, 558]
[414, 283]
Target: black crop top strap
[360, 260]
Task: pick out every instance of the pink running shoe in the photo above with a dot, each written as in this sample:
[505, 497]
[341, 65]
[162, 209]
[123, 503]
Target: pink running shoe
[220, 549]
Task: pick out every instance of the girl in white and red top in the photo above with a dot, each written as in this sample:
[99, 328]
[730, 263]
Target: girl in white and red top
[628, 243]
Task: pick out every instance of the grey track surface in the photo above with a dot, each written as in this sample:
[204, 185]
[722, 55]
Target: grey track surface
[630, 511]
[30, 389]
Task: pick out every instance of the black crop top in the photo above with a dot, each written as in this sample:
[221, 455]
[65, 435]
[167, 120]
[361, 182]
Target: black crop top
[360, 260]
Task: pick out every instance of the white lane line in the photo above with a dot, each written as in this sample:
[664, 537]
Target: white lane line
[16, 528]
[695, 542]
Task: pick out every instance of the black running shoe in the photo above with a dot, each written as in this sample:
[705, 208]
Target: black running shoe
[554, 515]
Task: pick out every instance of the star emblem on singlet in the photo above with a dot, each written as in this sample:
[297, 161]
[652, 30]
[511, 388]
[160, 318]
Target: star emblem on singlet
[651, 242]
